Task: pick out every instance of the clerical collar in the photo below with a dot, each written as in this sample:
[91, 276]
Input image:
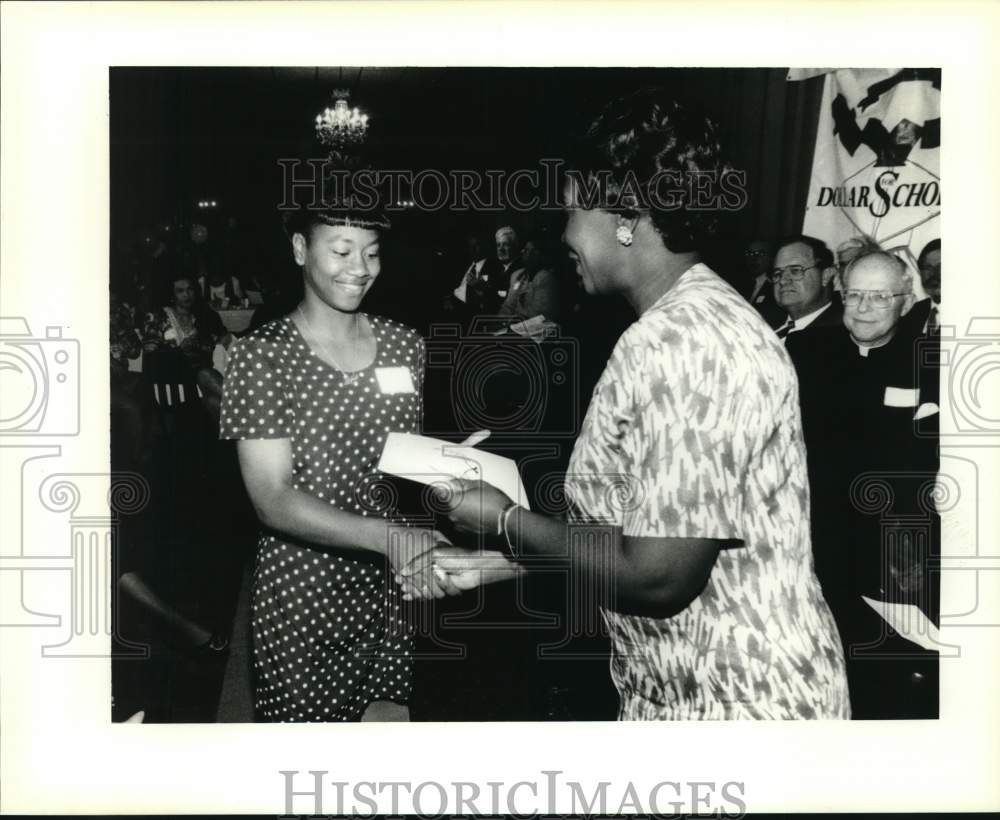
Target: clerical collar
[866, 352]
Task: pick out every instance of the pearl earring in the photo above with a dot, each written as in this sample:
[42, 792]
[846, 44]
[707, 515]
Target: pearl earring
[624, 235]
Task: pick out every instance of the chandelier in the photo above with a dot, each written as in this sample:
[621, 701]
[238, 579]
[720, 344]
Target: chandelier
[341, 127]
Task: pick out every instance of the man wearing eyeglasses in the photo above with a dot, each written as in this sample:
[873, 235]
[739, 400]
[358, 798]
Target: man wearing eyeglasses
[877, 293]
[802, 280]
[861, 397]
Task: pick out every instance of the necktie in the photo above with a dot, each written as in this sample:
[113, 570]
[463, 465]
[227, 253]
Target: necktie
[933, 321]
[786, 328]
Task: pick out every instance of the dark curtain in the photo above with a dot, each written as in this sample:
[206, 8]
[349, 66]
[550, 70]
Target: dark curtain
[178, 135]
[772, 124]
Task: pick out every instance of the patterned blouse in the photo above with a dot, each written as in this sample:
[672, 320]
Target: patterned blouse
[693, 431]
[124, 341]
[195, 336]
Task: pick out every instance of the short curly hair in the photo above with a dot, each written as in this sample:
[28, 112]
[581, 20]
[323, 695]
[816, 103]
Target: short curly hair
[642, 140]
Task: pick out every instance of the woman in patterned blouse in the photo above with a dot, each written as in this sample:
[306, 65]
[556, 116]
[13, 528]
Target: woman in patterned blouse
[689, 473]
[190, 327]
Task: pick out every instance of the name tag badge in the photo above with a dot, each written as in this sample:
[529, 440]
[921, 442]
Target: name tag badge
[901, 397]
[392, 380]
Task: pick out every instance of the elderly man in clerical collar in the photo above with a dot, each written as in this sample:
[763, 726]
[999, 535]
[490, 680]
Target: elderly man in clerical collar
[802, 277]
[869, 413]
[878, 292]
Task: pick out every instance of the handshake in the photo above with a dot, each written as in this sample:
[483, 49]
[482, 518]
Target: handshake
[445, 569]
[427, 565]
[424, 562]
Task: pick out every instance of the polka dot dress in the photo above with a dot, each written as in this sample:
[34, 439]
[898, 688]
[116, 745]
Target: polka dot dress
[328, 633]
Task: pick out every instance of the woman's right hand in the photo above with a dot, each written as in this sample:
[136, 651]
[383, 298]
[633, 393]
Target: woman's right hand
[465, 570]
[411, 555]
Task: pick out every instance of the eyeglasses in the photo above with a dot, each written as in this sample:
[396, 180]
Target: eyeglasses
[795, 272]
[878, 299]
[754, 253]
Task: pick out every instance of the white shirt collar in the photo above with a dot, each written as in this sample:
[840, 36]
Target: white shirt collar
[804, 321]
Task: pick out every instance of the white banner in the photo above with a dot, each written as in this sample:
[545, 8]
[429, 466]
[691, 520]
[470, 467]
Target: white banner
[876, 167]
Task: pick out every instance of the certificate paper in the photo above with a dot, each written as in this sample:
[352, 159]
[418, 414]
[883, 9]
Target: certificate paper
[430, 460]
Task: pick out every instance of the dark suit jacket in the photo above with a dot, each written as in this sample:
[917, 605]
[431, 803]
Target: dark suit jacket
[764, 303]
[874, 534]
[913, 322]
[482, 297]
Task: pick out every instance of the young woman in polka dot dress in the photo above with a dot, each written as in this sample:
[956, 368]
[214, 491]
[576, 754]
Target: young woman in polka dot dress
[311, 398]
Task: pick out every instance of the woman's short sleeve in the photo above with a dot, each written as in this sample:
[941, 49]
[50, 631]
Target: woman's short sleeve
[255, 401]
[683, 440]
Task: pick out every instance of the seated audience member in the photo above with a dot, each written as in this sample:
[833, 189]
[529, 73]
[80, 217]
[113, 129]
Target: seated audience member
[508, 253]
[860, 394]
[755, 283]
[194, 329]
[802, 277]
[133, 430]
[478, 260]
[487, 287]
[534, 289]
[131, 414]
[848, 251]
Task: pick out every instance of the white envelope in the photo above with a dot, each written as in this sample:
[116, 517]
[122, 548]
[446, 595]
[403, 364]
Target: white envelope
[909, 622]
[431, 460]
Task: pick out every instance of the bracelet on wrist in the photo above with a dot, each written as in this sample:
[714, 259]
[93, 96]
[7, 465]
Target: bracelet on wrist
[501, 514]
[504, 519]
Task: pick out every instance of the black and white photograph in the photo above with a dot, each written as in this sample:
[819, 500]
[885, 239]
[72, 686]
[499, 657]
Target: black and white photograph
[574, 388]
[678, 311]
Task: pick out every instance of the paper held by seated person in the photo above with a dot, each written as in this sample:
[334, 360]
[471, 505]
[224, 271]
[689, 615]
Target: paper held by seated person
[909, 622]
[430, 460]
[537, 328]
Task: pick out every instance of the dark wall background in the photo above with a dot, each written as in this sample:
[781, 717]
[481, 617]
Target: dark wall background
[179, 135]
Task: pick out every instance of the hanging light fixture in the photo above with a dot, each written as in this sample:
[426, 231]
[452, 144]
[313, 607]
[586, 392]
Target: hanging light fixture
[341, 127]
